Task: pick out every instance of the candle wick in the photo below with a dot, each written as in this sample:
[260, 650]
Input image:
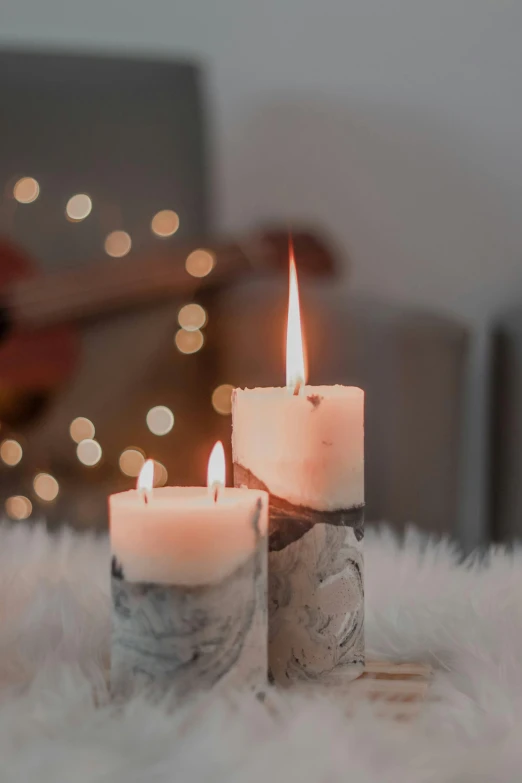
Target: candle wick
[145, 496]
[297, 388]
[215, 492]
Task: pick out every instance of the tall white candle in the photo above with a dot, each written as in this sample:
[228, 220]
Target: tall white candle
[305, 446]
[189, 588]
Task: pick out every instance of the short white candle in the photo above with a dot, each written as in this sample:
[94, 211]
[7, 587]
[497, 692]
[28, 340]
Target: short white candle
[189, 587]
[181, 536]
[305, 446]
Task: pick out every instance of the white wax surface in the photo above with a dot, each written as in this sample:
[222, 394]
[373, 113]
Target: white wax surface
[311, 455]
[181, 536]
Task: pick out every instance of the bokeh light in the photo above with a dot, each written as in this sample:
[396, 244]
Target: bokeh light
[118, 244]
[26, 190]
[45, 486]
[192, 317]
[78, 207]
[189, 342]
[11, 452]
[165, 223]
[18, 507]
[160, 474]
[222, 399]
[160, 420]
[200, 262]
[81, 429]
[89, 452]
[131, 461]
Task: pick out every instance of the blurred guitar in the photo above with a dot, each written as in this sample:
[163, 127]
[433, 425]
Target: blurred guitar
[39, 313]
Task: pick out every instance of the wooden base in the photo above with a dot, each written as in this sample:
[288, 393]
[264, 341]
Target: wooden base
[395, 690]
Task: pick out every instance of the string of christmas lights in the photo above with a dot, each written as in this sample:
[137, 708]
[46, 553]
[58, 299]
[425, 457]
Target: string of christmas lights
[160, 419]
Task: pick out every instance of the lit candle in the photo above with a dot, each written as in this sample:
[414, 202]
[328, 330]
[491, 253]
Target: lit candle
[189, 585]
[305, 445]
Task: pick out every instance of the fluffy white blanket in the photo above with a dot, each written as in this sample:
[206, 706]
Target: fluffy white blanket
[57, 723]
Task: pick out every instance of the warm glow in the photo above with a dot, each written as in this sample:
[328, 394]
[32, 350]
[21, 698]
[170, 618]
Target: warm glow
[295, 364]
[10, 452]
[18, 507]
[165, 223]
[118, 244]
[25, 191]
[146, 477]
[131, 462]
[189, 342]
[81, 428]
[216, 472]
[200, 263]
[45, 486]
[222, 399]
[78, 207]
[192, 317]
[160, 474]
[89, 452]
[160, 420]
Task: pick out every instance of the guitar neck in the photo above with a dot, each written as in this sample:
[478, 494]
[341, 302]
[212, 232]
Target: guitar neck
[116, 284]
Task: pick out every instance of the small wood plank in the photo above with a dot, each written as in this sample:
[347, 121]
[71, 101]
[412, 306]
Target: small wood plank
[388, 670]
[395, 690]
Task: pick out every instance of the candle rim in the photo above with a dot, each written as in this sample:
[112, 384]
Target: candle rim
[187, 498]
[336, 391]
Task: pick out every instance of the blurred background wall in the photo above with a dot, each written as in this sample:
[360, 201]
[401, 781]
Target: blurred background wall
[396, 125]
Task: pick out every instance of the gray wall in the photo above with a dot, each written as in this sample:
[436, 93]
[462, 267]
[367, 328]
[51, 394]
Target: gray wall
[395, 123]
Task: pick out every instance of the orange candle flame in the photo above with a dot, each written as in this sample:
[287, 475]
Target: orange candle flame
[216, 473]
[295, 361]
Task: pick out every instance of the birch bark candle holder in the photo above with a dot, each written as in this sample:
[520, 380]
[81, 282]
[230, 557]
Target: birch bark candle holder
[189, 586]
[304, 445]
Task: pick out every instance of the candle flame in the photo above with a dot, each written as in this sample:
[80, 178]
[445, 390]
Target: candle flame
[216, 473]
[295, 362]
[146, 477]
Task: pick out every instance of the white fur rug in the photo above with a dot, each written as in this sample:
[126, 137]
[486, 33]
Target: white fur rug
[57, 724]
